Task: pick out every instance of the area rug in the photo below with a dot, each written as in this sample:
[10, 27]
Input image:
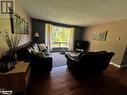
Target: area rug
[58, 59]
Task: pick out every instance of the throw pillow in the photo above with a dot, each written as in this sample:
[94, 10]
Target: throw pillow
[42, 47]
[38, 54]
[35, 47]
[30, 49]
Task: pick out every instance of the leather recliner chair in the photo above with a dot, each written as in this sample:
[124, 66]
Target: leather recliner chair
[89, 62]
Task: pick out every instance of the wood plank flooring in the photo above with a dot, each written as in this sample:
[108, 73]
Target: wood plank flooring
[113, 81]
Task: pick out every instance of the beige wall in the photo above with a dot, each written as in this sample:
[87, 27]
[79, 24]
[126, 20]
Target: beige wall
[5, 24]
[115, 30]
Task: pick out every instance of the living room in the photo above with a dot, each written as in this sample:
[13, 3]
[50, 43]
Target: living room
[104, 18]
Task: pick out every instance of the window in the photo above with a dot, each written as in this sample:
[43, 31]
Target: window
[58, 37]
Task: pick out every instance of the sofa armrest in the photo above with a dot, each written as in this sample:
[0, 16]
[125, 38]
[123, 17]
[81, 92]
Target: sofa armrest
[41, 65]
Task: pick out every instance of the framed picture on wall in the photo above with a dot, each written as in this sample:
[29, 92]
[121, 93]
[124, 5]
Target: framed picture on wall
[18, 24]
[101, 36]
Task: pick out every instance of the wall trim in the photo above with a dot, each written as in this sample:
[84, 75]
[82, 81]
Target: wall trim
[122, 66]
[116, 65]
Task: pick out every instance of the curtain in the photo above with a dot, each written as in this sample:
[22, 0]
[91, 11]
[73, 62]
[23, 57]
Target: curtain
[48, 30]
[71, 39]
[48, 36]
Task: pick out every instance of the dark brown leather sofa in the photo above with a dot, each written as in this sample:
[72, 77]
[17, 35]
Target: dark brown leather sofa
[39, 64]
[89, 62]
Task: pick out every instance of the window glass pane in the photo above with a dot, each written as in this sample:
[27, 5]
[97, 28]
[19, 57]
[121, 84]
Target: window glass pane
[60, 36]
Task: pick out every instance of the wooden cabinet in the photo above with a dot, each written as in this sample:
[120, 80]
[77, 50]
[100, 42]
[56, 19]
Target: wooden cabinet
[17, 78]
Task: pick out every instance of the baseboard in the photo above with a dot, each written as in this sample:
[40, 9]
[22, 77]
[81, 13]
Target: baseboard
[116, 65]
[122, 66]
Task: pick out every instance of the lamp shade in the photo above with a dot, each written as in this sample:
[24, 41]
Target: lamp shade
[36, 34]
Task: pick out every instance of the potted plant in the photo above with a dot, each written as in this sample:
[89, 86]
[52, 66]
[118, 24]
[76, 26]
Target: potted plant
[12, 41]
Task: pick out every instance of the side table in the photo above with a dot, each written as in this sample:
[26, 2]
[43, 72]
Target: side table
[16, 79]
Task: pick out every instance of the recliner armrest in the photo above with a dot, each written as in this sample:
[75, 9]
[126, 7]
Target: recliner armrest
[70, 58]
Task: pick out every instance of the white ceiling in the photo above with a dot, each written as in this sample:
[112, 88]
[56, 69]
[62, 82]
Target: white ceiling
[77, 12]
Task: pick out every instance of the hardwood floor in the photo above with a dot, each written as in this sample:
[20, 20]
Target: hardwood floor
[113, 81]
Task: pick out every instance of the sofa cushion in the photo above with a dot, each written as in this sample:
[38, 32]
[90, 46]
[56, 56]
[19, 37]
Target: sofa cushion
[42, 47]
[38, 54]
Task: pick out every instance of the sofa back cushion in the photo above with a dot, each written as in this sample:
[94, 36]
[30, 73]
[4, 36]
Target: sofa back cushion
[96, 60]
[98, 52]
[23, 54]
[89, 53]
